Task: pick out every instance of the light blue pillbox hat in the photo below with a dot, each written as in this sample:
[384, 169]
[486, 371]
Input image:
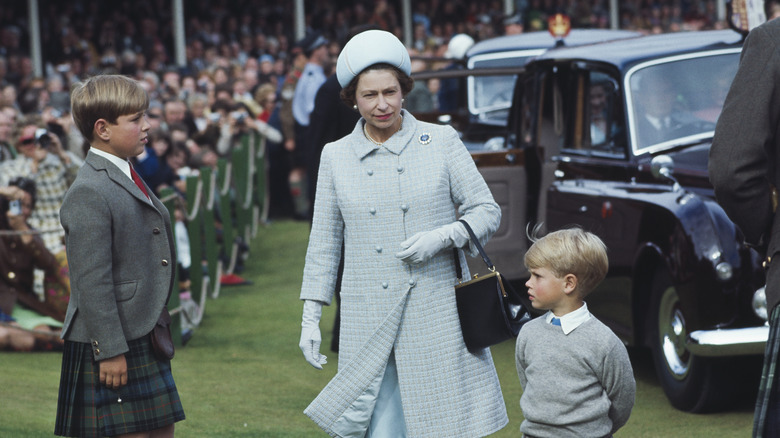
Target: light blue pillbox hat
[369, 48]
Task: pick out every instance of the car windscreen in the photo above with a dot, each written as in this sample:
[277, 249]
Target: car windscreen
[677, 100]
[489, 97]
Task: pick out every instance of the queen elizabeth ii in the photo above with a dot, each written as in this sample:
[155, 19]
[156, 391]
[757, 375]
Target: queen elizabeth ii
[391, 192]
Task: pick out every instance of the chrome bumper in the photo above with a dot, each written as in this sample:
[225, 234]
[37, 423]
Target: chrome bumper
[729, 342]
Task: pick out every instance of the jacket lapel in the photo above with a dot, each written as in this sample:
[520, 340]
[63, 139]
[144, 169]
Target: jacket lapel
[116, 175]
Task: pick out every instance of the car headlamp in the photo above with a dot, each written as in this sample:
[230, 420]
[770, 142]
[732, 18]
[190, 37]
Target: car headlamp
[759, 303]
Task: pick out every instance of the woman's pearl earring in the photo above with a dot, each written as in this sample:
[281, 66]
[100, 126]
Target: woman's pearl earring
[354, 107]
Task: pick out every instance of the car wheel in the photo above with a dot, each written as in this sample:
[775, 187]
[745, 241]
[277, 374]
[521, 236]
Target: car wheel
[689, 381]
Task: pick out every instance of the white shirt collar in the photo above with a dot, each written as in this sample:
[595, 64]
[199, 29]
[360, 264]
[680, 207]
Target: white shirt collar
[571, 320]
[122, 164]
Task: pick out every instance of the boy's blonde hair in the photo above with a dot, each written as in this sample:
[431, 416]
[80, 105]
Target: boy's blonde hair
[571, 251]
[105, 97]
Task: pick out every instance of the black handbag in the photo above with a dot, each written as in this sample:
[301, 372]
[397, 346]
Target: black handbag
[490, 310]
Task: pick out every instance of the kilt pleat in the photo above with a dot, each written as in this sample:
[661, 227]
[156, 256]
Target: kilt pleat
[69, 383]
[767, 413]
[86, 408]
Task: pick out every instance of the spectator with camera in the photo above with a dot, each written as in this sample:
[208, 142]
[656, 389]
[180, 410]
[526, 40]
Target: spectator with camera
[236, 119]
[42, 158]
[27, 321]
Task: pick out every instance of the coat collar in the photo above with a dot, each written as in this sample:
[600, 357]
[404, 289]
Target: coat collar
[395, 144]
[115, 174]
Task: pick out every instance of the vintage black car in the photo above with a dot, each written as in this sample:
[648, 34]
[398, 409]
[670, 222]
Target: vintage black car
[614, 138]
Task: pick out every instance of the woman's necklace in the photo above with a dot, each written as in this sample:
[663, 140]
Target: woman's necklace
[368, 136]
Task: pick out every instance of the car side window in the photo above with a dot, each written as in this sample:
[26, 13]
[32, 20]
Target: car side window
[605, 130]
[592, 105]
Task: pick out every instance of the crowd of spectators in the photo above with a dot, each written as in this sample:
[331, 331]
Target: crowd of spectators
[82, 36]
[242, 61]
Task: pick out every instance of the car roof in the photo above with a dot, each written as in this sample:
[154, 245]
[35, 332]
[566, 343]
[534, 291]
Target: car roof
[544, 40]
[626, 52]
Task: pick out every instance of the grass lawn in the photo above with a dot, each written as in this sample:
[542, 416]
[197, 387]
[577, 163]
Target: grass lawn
[242, 374]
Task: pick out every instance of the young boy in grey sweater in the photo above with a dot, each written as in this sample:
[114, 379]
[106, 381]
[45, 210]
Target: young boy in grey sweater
[576, 375]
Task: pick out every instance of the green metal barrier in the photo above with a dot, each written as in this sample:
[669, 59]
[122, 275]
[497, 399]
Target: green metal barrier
[199, 282]
[169, 198]
[225, 207]
[235, 196]
[262, 197]
[242, 158]
[211, 242]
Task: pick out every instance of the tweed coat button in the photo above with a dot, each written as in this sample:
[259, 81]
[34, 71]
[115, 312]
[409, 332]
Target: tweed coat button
[378, 248]
[400, 169]
[385, 285]
[97, 352]
[165, 262]
[370, 172]
[372, 210]
[412, 282]
[156, 230]
[94, 343]
[404, 207]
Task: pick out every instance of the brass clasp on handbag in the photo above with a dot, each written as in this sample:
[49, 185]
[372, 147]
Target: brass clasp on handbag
[476, 278]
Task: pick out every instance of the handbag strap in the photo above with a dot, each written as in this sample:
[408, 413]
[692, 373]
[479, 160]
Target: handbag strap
[475, 241]
[514, 296]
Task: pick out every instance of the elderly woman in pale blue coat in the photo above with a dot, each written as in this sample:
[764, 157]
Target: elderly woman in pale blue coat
[391, 192]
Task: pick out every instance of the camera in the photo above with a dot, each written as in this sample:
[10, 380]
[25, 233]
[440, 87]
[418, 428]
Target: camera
[15, 207]
[238, 116]
[43, 138]
[214, 117]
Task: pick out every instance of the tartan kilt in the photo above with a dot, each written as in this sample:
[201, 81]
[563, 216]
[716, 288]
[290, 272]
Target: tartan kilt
[86, 408]
[766, 420]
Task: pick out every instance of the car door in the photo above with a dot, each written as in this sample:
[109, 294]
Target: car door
[505, 174]
[502, 165]
[591, 180]
[512, 171]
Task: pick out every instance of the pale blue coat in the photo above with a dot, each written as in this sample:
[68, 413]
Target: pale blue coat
[373, 198]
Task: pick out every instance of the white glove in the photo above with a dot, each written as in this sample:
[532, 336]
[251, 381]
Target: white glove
[311, 338]
[425, 244]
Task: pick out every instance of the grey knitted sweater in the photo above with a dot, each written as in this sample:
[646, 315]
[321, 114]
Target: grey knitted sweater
[576, 385]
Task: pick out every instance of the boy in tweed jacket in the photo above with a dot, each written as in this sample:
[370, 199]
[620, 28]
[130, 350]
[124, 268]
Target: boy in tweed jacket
[121, 255]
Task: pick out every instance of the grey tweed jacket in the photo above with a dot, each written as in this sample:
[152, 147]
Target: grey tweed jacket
[121, 256]
[372, 198]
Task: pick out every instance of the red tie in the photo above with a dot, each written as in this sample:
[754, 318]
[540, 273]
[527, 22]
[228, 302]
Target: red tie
[137, 180]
